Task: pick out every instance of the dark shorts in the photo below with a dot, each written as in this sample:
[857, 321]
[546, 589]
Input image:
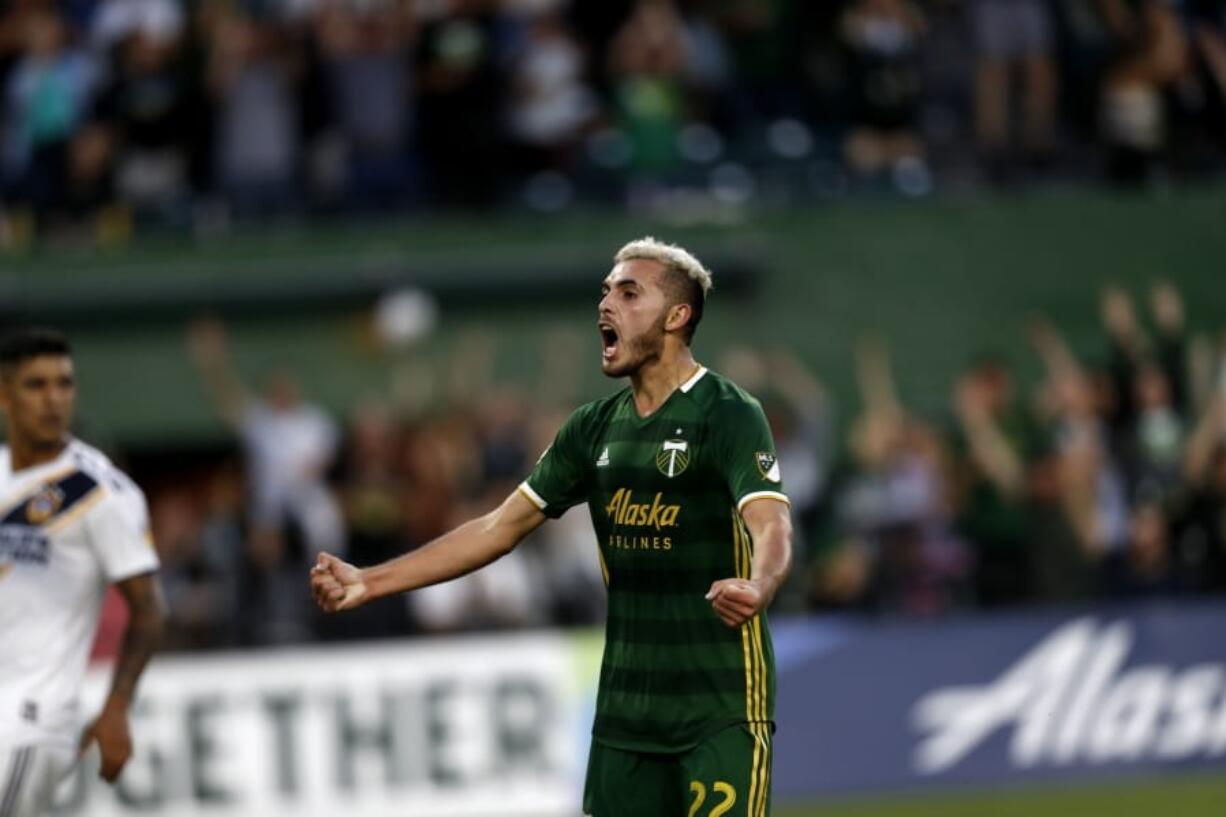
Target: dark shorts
[1012, 29]
[727, 775]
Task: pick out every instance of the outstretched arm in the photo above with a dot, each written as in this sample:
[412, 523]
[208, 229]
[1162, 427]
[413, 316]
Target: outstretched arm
[147, 611]
[208, 347]
[1204, 440]
[770, 527]
[990, 449]
[1057, 355]
[338, 585]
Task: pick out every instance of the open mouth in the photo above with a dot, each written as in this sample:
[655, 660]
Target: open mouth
[608, 340]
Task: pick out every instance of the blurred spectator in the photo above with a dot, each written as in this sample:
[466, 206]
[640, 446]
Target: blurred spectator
[256, 141]
[1209, 45]
[201, 547]
[895, 507]
[1093, 492]
[367, 65]
[373, 493]
[449, 452]
[647, 59]
[48, 97]
[760, 36]
[289, 447]
[1201, 510]
[1155, 448]
[1151, 56]
[1150, 391]
[460, 103]
[996, 441]
[146, 102]
[114, 21]
[551, 104]
[1146, 566]
[1014, 35]
[883, 38]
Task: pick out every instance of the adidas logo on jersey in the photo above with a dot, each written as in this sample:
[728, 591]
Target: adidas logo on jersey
[604, 458]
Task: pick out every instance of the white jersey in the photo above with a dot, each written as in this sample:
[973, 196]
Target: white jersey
[68, 528]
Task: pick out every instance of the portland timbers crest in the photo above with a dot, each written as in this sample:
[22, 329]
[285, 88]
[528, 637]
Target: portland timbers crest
[673, 457]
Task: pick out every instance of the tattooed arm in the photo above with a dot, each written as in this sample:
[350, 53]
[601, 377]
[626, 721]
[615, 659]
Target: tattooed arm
[147, 609]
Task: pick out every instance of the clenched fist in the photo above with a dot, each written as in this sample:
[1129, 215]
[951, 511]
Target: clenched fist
[336, 584]
[736, 601]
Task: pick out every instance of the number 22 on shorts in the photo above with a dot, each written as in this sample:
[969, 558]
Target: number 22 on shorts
[700, 796]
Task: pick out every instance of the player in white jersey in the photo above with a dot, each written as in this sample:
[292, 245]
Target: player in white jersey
[70, 525]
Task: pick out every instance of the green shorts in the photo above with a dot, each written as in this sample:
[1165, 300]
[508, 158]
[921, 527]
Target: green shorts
[727, 775]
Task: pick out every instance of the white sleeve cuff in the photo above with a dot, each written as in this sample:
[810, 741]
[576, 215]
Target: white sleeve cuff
[532, 495]
[756, 495]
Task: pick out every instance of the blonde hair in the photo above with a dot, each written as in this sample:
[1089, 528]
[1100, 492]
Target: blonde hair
[674, 259]
[686, 279]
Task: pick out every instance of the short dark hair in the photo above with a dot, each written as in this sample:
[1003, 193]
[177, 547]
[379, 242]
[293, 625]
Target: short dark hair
[25, 344]
[682, 289]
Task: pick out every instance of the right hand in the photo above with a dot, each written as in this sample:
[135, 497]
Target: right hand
[206, 341]
[1167, 307]
[1118, 315]
[336, 584]
[970, 399]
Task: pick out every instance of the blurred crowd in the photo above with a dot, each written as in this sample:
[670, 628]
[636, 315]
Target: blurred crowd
[1107, 482]
[1104, 481]
[190, 114]
[238, 533]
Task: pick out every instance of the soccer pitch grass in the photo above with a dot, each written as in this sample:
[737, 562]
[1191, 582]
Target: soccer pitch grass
[1178, 797]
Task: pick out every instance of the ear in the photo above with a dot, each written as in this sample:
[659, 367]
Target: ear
[678, 316]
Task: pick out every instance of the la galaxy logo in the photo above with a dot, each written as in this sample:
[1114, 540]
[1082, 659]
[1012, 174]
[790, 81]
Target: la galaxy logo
[768, 465]
[43, 505]
[673, 457]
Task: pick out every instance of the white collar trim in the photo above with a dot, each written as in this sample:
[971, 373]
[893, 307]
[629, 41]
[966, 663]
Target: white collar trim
[689, 384]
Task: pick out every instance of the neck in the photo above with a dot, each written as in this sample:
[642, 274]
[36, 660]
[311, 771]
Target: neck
[25, 454]
[655, 381]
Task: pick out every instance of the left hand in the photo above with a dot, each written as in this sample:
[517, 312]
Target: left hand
[110, 731]
[736, 601]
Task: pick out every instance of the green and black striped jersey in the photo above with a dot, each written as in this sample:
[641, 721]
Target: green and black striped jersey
[665, 494]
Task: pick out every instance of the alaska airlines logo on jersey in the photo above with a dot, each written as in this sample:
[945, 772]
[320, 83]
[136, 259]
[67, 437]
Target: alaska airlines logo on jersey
[768, 466]
[623, 510]
[673, 457]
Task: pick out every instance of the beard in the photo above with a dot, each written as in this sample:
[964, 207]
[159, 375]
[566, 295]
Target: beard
[639, 351]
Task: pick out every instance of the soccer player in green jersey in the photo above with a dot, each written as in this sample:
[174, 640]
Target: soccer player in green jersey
[680, 475]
